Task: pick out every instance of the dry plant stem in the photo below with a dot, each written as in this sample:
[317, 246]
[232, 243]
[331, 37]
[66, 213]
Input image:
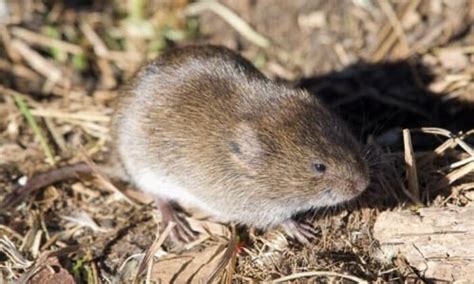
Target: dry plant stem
[42, 40]
[101, 50]
[34, 126]
[105, 180]
[85, 116]
[6, 39]
[229, 255]
[410, 165]
[8, 248]
[448, 134]
[456, 190]
[460, 163]
[231, 18]
[19, 70]
[56, 135]
[450, 143]
[38, 62]
[232, 265]
[387, 41]
[148, 258]
[98, 45]
[10, 231]
[455, 175]
[319, 273]
[396, 25]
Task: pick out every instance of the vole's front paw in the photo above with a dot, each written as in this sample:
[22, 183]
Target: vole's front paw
[301, 232]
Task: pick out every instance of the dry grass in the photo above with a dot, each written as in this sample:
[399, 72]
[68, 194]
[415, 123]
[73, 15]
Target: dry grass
[384, 66]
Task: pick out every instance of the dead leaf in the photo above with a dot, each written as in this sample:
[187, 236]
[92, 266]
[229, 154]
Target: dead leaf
[191, 267]
[52, 273]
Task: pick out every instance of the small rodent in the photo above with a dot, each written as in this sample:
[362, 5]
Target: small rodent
[202, 126]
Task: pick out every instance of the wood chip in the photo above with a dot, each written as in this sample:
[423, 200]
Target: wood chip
[439, 242]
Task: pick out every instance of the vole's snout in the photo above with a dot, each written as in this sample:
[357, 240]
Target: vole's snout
[359, 184]
[360, 179]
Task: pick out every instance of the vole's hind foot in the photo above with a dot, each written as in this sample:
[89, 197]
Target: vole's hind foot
[298, 231]
[182, 231]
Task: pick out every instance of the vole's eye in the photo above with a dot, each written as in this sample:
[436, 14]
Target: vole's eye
[320, 168]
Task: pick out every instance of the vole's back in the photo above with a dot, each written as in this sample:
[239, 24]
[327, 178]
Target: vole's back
[202, 126]
[172, 123]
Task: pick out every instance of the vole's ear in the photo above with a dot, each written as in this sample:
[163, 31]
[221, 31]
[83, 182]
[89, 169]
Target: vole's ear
[245, 146]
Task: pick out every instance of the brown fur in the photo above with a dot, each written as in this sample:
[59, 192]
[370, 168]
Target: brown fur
[238, 142]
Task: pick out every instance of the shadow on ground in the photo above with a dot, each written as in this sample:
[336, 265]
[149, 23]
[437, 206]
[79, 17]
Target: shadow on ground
[378, 101]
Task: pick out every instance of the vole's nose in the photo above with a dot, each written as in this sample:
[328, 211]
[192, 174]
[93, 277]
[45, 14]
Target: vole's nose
[360, 184]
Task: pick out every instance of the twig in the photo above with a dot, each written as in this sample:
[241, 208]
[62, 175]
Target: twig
[446, 133]
[42, 40]
[104, 179]
[396, 25]
[101, 49]
[86, 116]
[91, 128]
[56, 135]
[387, 41]
[410, 165]
[98, 45]
[460, 163]
[19, 70]
[6, 42]
[9, 249]
[38, 62]
[455, 175]
[102, 52]
[147, 261]
[231, 18]
[423, 44]
[456, 190]
[450, 143]
[228, 256]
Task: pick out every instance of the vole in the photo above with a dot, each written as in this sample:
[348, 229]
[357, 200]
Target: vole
[201, 126]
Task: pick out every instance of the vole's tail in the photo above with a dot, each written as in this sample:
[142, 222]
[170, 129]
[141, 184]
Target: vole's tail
[113, 171]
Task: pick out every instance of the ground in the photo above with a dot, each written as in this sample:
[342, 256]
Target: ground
[384, 66]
